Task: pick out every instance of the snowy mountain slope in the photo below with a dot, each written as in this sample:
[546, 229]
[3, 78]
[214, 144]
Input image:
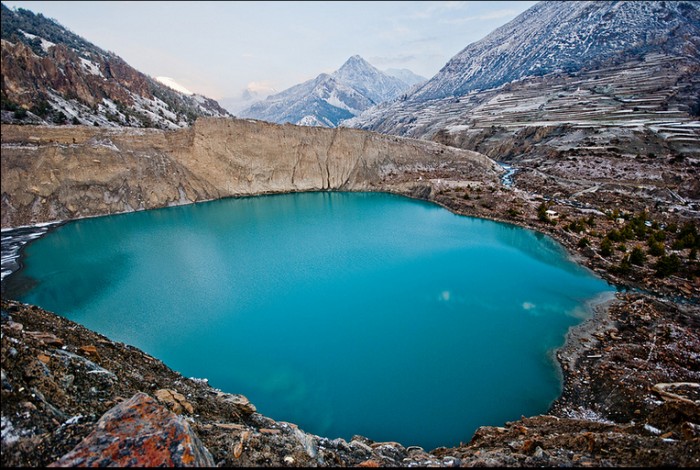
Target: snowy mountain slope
[549, 38]
[329, 99]
[52, 76]
[567, 36]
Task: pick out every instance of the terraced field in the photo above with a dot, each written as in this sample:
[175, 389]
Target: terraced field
[628, 134]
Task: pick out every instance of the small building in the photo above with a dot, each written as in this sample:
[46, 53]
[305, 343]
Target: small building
[552, 214]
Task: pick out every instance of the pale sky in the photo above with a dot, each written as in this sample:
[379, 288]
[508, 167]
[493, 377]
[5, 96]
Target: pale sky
[219, 48]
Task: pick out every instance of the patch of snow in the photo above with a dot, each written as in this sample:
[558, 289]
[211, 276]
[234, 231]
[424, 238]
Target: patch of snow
[652, 429]
[588, 415]
[45, 45]
[170, 82]
[73, 420]
[91, 67]
[7, 432]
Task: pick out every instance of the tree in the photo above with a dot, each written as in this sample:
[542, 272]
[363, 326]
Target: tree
[605, 247]
[20, 113]
[637, 257]
[60, 118]
[667, 265]
[656, 248]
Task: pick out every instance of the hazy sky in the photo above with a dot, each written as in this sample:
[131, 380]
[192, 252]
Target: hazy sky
[220, 48]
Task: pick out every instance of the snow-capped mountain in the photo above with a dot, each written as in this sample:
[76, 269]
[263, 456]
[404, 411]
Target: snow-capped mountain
[566, 36]
[549, 38]
[372, 83]
[52, 76]
[329, 98]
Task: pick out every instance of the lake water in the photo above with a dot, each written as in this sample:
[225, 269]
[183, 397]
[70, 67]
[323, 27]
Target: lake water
[345, 313]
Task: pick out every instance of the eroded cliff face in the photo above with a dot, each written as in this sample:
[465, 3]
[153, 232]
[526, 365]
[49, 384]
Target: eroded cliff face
[60, 173]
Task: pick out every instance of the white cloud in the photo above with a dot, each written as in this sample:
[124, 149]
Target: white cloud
[264, 87]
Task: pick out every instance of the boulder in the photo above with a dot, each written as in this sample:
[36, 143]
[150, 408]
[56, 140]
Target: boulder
[139, 432]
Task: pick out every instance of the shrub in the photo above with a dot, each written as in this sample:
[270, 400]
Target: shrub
[667, 265]
[624, 267]
[614, 236]
[637, 256]
[583, 242]
[687, 237]
[656, 248]
[20, 113]
[605, 247]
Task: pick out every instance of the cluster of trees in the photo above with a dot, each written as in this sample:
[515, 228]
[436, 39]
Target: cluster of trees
[638, 228]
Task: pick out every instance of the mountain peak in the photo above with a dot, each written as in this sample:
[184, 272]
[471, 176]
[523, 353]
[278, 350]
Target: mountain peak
[356, 59]
[330, 98]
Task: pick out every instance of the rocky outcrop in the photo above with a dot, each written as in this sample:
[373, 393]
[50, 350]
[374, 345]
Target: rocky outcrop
[139, 432]
[59, 173]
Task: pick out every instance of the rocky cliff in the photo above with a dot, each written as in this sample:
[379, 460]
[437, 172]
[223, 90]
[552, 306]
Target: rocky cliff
[59, 173]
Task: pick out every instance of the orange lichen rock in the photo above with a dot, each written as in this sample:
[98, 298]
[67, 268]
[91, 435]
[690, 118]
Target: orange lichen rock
[139, 432]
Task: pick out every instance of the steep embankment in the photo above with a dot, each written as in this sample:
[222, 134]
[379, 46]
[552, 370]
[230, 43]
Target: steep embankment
[59, 173]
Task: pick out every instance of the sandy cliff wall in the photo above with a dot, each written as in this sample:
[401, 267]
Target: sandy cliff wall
[60, 173]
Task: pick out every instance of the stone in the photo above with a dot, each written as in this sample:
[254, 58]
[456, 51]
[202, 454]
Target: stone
[370, 464]
[176, 401]
[88, 350]
[46, 338]
[239, 401]
[139, 432]
[43, 358]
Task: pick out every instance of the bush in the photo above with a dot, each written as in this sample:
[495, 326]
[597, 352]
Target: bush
[687, 237]
[637, 257]
[624, 267]
[20, 113]
[614, 236]
[42, 108]
[656, 248]
[605, 247]
[60, 118]
[667, 265]
[583, 242]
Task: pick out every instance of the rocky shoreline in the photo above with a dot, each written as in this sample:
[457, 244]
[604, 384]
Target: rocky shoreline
[611, 411]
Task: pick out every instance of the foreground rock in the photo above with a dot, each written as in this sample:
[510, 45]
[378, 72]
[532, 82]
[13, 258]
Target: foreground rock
[140, 432]
[631, 398]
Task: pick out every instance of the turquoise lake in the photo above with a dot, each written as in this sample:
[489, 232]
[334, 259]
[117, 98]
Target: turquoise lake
[344, 313]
